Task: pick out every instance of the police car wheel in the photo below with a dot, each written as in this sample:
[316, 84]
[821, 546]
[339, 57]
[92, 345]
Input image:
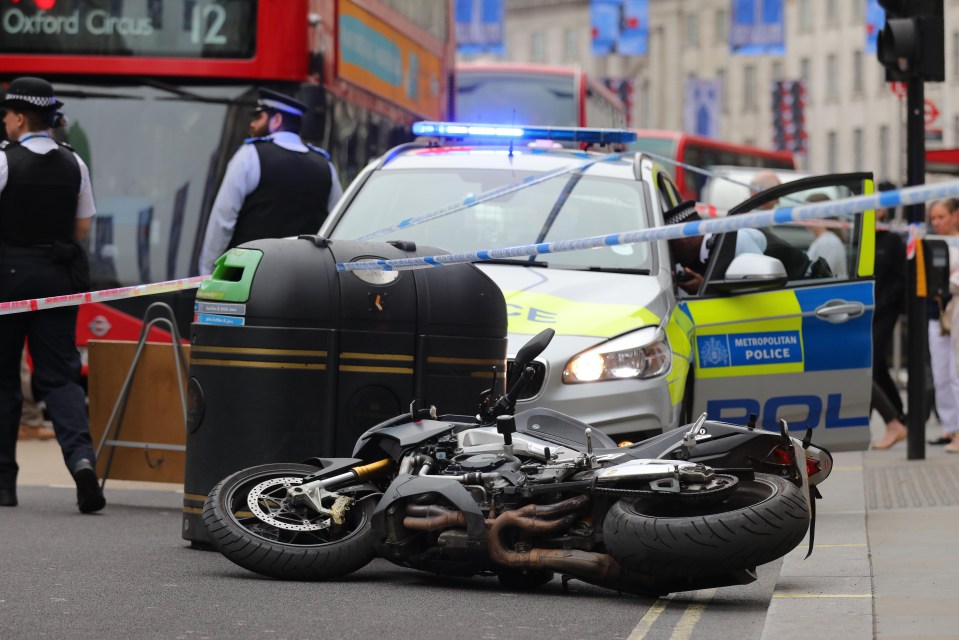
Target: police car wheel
[762, 520]
[252, 524]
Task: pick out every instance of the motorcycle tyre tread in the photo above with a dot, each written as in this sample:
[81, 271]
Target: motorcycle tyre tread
[700, 545]
[281, 560]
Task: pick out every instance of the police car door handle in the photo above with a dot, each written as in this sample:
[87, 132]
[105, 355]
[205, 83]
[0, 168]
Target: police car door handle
[840, 310]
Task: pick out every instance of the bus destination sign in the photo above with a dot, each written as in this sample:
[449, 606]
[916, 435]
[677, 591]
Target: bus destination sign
[148, 28]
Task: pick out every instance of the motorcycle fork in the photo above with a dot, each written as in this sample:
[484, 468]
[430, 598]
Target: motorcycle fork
[313, 493]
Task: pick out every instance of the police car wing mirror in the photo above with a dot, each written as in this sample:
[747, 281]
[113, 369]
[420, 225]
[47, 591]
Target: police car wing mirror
[752, 272]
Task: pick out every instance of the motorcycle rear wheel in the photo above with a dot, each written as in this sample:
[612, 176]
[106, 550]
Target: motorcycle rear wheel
[762, 520]
[283, 541]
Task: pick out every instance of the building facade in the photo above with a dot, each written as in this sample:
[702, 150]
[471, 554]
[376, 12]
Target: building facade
[854, 120]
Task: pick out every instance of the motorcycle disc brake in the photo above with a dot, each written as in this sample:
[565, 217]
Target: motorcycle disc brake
[718, 487]
[269, 503]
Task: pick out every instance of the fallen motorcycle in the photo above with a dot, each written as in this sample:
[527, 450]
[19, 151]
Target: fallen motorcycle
[526, 496]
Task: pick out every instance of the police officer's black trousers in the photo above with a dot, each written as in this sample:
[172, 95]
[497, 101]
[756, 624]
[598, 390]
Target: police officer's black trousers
[51, 340]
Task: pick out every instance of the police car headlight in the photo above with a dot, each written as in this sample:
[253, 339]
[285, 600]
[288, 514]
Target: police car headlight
[640, 354]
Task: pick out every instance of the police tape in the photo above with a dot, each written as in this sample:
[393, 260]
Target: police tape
[819, 210]
[75, 299]
[755, 220]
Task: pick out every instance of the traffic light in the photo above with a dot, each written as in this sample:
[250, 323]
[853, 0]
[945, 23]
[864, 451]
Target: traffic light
[911, 43]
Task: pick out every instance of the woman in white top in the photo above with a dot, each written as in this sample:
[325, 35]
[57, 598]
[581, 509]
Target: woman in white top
[944, 219]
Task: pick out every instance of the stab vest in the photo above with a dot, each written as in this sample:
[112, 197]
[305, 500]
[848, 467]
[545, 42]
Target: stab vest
[39, 203]
[291, 198]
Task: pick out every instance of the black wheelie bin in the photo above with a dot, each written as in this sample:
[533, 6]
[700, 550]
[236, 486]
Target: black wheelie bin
[290, 358]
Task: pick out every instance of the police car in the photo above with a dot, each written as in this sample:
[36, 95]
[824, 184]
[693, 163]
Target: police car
[632, 354]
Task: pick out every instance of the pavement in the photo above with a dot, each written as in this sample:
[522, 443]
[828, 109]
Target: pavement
[886, 558]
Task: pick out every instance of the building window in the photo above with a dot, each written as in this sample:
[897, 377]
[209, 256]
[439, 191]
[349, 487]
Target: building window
[722, 26]
[749, 87]
[955, 53]
[832, 15]
[805, 73]
[571, 45]
[721, 78]
[692, 29]
[832, 149]
[884, 151]
[857, 149]
[832, 82]
[777, 70]
[805, 15]
[857, 71]
[538, 47]
[644, 105]
[858, 11]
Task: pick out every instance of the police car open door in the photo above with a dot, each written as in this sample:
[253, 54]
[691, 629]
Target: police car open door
[796, 344]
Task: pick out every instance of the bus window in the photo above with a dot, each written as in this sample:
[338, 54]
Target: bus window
[676, 149]
[534, 94]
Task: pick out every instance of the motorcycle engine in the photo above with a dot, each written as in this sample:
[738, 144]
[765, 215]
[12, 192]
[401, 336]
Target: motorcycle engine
[482, 463]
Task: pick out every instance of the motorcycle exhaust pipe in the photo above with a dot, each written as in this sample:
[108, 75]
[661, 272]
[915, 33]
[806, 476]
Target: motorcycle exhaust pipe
[431, 517]
[594, 568]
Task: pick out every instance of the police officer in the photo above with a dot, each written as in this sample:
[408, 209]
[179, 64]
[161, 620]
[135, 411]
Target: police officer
[46, 205]
[275, 185]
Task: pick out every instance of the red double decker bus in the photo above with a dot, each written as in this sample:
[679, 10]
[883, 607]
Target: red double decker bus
[675, 149]
[535, 94]
[158, 95]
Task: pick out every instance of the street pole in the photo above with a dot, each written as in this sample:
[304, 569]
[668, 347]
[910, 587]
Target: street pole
[918, 339]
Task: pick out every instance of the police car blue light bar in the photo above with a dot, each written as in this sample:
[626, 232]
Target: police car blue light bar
[496, 131]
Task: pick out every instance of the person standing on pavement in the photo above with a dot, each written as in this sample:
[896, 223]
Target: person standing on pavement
[46, 206]
[890, 276]
[943, 216]
[275, 185]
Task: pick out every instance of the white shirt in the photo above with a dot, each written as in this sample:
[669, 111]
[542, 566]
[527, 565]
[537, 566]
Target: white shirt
[241, 179]
[42, 143]
[829, 247]
[748, 240]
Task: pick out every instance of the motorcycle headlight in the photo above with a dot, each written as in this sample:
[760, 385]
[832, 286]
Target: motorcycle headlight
[640, 354]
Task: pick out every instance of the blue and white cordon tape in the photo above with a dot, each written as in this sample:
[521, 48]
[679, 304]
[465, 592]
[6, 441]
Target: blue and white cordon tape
[884, 199]
[857, 204]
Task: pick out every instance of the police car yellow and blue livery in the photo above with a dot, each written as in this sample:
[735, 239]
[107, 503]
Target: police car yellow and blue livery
[631, 354]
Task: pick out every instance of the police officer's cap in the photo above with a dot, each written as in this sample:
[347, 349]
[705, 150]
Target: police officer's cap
[683, 212]
[274, 101]
[30, 93]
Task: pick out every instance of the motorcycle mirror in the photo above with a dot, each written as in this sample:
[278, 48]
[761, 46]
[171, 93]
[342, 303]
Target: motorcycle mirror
[533, 348]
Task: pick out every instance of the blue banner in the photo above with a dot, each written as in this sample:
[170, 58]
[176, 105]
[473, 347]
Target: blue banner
[634, 39]
[875, 19]
[479, 27]
[605, 17]
[757, 28]
[701, 107]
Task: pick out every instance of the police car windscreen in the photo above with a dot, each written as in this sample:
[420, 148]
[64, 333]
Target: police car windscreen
[562, 208]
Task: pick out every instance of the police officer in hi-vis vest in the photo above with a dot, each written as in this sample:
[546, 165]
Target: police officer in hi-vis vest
[46, 205]
[275, 185]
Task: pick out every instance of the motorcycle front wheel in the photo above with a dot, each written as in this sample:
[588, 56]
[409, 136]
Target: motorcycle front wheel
[762, 520]
[253, 523]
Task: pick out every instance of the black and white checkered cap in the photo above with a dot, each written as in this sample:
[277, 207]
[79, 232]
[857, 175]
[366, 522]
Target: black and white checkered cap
[30, 93]
[683, 212]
